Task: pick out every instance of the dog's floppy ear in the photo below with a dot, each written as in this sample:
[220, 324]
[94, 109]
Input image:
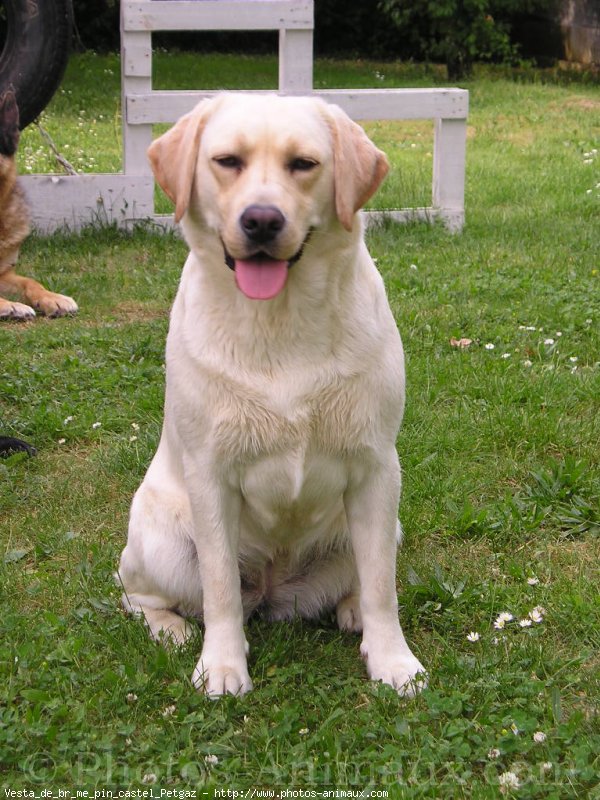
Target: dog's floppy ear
[173, 156]
[359, 166]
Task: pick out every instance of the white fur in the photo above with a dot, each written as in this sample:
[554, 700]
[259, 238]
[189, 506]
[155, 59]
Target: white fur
[276, 482]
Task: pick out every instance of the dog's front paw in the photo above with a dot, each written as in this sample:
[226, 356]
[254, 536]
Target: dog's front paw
[20, 311]
[397, 667]
[56, 305]
[216, 677]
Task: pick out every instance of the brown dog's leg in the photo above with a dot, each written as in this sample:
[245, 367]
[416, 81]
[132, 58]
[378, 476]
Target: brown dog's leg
[14, 310]
[48, 303]
[11, 309]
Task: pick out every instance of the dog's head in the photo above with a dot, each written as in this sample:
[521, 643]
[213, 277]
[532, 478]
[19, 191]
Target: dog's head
[262, 172]
[9, 123]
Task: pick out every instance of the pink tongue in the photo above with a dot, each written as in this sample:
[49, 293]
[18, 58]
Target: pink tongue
[261, 280]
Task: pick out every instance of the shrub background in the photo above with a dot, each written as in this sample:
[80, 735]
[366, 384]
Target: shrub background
[483, 30]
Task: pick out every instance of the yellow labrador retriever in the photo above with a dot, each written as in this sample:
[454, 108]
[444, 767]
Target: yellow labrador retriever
[276, 482]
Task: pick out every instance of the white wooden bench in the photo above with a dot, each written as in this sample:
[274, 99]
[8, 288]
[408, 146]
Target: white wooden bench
[125, 197]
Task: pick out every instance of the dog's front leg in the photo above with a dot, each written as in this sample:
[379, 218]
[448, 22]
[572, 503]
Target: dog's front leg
[222, 667]
[371, 507]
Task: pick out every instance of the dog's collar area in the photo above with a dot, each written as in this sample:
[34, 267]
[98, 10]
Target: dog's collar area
[230, 260]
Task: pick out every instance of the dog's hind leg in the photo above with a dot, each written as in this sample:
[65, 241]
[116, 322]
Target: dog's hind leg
[348, 614]
[349, 617]
[328, 584]
[159, 567]
[166, 626]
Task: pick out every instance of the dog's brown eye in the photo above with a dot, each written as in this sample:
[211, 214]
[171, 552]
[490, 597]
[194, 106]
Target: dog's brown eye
[302, 164]
[229, 162]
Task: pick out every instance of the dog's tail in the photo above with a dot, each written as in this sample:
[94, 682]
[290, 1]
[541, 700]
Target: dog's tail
[9, 445]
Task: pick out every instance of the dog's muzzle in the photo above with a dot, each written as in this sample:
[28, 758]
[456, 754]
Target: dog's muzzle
[260, 276]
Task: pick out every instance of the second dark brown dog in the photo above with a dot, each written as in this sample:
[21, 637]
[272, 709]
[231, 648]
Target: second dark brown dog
[14, 227]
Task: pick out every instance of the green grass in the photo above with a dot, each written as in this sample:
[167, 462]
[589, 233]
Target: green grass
[500, 455]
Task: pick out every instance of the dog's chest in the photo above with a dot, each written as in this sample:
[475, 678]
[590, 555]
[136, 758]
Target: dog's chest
[291, 447]
[332, 418]
[293, 492]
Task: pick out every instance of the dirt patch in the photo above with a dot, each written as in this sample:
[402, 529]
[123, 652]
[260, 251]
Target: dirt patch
[581, 103]
[130, 311]
[523, 138]
[576, 560]
[126, 313]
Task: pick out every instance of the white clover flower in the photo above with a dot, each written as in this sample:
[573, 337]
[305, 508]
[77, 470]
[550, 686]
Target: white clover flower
[62, 441]
[508, 780]
[548, 341]
[67, 420]
[490, 346]
[573, 359]
[135, 426]
[527, 363]
[303, 731]
[525, 623]
[133, 438]
[168, 711]
[413, 266]
[505, 355]
[533, 581]
[547, 766]
[537, 614]
[211, 759]
[539, 736]
[131, 697]
[473, 636]
[96, 425]
[149, 777]
[494, 753]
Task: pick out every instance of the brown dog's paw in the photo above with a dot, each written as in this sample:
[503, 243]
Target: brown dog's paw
[56, 305]
[18, 311]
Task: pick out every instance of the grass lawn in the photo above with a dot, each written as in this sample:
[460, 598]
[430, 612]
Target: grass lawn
[500, 449]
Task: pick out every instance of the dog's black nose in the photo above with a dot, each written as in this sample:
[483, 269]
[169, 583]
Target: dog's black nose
[261, 224]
